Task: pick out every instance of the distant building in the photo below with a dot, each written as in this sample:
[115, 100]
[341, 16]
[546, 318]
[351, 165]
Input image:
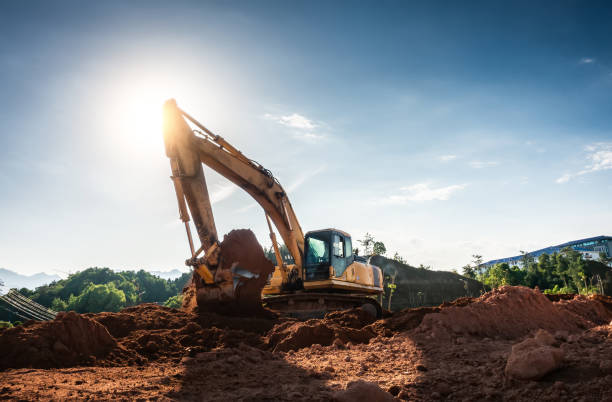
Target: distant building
[590, 249]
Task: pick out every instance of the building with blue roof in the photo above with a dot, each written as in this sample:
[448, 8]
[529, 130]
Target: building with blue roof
[590, 249]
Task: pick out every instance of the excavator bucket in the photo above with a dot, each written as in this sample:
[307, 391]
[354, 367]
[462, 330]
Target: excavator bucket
[232, 276]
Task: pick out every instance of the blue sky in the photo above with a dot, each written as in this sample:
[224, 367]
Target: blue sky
[442, 129]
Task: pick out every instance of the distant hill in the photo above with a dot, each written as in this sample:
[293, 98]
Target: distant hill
[172, 274]
[12, 279]
[421, 287]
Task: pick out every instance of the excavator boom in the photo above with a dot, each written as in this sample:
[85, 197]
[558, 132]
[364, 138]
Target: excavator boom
[188, 151]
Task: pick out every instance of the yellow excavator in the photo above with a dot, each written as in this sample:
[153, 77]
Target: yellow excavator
[325, 274]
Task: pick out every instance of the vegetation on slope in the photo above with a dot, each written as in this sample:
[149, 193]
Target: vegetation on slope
[565, 272]
[101, 289]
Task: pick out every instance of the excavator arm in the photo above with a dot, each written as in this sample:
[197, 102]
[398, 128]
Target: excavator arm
[188, 149]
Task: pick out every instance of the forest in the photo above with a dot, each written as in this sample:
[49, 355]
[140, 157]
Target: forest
[101, 289]
[564, 272]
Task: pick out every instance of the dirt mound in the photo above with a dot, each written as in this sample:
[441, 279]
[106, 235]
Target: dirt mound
[339, 327]
[410, 318]
[146, 316]
[513, 311]
[242, 257]
[71, 339]
[160, 333]
[135, 335]
[595, 309]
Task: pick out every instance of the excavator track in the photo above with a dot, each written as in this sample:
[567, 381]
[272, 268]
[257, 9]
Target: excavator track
[315, 305]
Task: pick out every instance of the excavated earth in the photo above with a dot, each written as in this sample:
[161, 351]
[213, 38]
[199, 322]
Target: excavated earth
[456, 351]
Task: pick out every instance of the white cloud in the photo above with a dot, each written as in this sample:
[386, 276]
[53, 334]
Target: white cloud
[222, 191]
[447, 158]
[304, 177]
[303, 126]
[564, 179]
[291, 187]
[600, 157]
[294, 120]
[309, 137]
[483, 164]
[246, 208]
[587, 60]
[422, 192]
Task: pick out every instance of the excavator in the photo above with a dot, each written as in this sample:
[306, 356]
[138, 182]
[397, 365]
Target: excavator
[325, 274]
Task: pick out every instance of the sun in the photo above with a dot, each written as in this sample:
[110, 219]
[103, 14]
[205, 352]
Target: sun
[137, 114]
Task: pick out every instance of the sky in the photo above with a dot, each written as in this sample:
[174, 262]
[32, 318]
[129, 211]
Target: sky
[444, 129]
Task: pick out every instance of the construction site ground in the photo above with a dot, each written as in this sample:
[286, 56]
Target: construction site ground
[457, 351]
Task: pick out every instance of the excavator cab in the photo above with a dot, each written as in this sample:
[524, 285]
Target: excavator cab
[330, 263]
[328, 253]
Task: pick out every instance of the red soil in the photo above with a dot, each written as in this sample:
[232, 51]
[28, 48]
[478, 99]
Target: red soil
[511, 312]
[457, 351]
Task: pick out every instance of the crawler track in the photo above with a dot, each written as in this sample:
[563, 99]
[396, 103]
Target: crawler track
[311, 305]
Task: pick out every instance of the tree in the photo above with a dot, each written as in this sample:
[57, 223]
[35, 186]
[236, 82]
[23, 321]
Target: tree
[59, 305]
[399, 258]
[469, 271]
[526, 259]
[174, 301]
[425, 267]
[284, 252]
[379, 248]
[5, 324]
[98, 298]
[477, 261]
[367, 243]
[604, 259]
[152, 288]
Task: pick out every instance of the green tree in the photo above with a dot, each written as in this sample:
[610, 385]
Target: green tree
[498, 275]
[130, 290]
[284, 251]
[379, 248]
[174, 301]
[152, 288]
[59, 305]
[526, 259]
[469, 271]
[477, 261]
[367, 243]
[399, 258]
[5, 324]
[604, 259]
[98, 298]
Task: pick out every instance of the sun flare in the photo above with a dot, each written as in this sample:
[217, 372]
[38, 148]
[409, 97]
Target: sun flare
[138, 114]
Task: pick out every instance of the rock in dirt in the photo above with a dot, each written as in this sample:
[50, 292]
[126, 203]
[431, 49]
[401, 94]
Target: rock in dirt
[362, 391]
[533, 358]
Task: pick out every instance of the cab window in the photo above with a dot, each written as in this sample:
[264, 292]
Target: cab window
[348, 247]
[338, 246]
[317, 251]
